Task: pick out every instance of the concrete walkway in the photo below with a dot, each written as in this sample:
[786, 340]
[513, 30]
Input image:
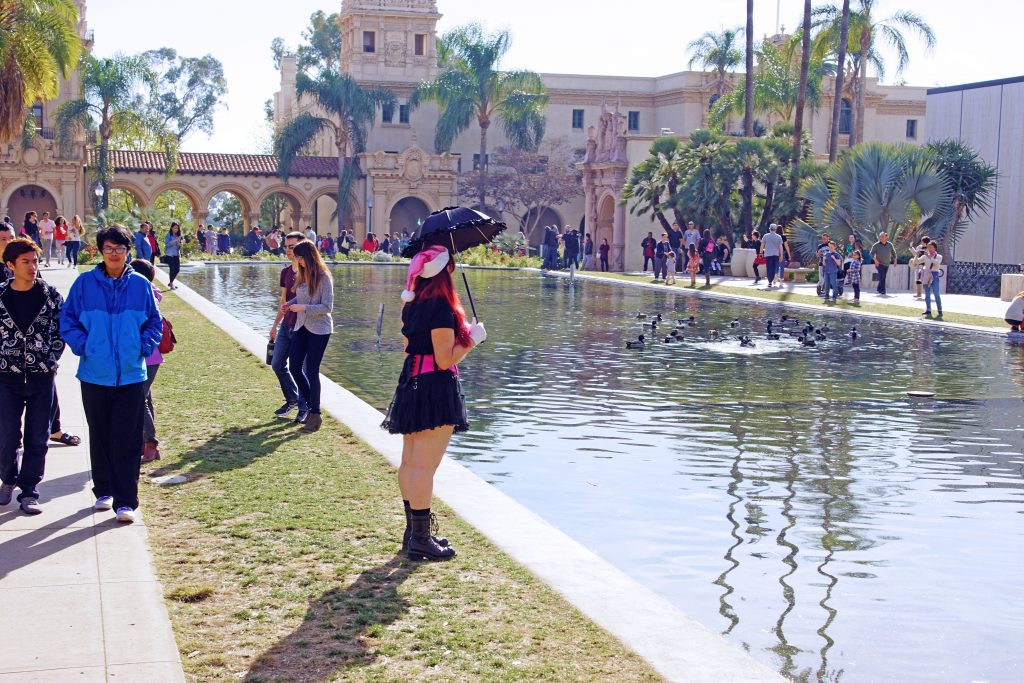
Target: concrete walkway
[81, 598]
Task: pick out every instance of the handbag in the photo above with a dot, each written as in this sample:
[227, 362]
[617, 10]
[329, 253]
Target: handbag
[168, 340]
[760, 260]
[926, 277]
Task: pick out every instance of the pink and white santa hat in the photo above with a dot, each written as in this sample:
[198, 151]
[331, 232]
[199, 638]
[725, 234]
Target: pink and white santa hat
[426, 264]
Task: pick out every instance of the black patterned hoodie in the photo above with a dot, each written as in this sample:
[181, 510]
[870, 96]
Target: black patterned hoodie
[37, 349]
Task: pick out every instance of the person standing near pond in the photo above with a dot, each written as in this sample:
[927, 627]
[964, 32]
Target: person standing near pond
[172, 251]
[588, 253]
[691, 236]
[647, 244]
[74, 241]
[883, 254]
[603, 253]
[675, 238]
[759, 260]
[853, 270]
[772, 247]
[313, 303]
[706, 251]
[831, 265]
[281, 336]
[112, 323]
[30, 336]
[60, 236]
[428, 405]
[661, 257]
[931, 275]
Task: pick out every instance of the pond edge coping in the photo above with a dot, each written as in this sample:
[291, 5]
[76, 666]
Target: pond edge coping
[673, 643]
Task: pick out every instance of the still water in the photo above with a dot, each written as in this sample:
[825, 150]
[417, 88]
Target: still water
[793, 499]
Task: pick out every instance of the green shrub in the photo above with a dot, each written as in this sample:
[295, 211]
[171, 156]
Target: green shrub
[485, 256]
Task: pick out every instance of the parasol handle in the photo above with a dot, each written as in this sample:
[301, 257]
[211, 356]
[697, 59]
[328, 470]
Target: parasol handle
[469, 292]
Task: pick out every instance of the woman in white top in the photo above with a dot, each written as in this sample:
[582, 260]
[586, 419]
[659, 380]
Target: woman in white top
[930, 263]
[73, 243]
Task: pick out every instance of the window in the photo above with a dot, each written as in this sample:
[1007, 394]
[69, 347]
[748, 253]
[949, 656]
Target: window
[577, 118]
[634, 120]
[476, 161]
[369, 41]
[37, 114]
[845, 117]
[420, 47]
[403, 113]
[387, 112]
[911, 129]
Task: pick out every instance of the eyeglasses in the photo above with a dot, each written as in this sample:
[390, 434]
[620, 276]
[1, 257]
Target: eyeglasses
[115, 250]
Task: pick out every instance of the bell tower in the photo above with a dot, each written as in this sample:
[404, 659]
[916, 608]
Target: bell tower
[389, 41]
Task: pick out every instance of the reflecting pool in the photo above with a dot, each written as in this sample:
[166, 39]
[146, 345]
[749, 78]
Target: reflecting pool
[792, 498]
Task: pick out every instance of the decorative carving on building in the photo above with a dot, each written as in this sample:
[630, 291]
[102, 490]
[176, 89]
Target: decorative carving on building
[384, 5]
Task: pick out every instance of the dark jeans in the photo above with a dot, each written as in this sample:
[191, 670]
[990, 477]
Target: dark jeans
[115, 416]
[706, 260]
[71, 250]
[34, 399]
[174, 265]
[604, 263]
[149, 424]
[882, 272]
[772, 262]
[660, 267]
[304, 357]
[279, 363]
[856, 291]
[55, 413]
[647, 259]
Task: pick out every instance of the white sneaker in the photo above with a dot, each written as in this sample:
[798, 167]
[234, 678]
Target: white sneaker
[125, 515]
[104, 503]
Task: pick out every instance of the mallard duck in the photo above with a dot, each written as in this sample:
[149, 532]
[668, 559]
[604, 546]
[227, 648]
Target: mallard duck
[713, 334]
[638, 344]
[747, 342]
[853, 333]
[669, 339]
[674, 333]
[735, 323]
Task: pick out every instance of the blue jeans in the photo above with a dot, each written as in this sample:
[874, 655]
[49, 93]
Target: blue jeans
[71, 249]
[34, 399]
[929, 289]
[832, 284]
[279, 363]
[304, 358]
[772, 264]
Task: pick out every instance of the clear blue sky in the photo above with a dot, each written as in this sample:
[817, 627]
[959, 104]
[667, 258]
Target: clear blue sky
[978, 41]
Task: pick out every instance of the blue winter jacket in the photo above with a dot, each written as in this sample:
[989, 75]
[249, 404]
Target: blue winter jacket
[112, 326]
[143, 249]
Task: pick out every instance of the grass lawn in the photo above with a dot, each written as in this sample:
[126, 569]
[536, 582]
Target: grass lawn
[280, 556]
[790, 297]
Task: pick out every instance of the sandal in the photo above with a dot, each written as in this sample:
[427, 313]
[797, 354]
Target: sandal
[66, 439]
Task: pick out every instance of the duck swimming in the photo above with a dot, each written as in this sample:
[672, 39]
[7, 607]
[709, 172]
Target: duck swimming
[747, 342]
[735, 323]
[638, 344]
[853, 333]
[772, 335]
[641, 316]
[713, 334]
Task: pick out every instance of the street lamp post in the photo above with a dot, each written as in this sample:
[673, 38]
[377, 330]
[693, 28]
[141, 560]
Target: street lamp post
[99, 196]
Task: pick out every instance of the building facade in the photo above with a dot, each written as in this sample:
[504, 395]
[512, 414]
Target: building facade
[989, 117]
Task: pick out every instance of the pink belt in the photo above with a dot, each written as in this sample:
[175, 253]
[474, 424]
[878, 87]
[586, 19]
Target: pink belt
[423, 364]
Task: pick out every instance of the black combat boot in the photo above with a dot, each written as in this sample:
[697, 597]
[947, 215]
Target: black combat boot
[423, 546]
[440, 540]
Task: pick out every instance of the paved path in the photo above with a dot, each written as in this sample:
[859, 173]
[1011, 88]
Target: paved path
[79, 593]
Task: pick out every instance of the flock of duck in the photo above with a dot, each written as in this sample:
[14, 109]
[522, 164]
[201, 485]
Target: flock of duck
[806, 333]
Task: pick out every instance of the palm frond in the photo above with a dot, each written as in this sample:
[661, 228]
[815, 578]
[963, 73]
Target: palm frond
[294, 137]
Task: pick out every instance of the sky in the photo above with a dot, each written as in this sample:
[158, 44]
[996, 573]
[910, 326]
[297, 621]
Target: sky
[638, 38]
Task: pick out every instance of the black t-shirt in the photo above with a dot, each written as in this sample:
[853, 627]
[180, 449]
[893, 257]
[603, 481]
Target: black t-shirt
[419, 317]
[24, 307]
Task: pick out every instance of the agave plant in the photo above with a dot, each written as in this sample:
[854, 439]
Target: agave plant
[877, 187]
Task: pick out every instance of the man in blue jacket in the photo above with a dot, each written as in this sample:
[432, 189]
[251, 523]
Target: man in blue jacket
[111, 322]
[143, 249]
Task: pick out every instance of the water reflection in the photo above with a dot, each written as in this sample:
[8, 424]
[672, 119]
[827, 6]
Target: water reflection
[796, 501]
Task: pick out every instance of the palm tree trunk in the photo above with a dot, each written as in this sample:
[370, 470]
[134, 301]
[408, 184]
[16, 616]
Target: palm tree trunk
[101, 171]
[844, 36]
[769, 202]
[747, 194]
[865, 43]
[801, 96]
[482, 197]
[748, 105]
[342, 207]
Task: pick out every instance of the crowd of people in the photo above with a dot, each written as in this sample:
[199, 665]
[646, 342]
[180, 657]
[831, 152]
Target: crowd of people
[565, 249]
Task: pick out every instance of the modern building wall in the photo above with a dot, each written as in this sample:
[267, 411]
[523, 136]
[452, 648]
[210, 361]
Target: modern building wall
[988, 116]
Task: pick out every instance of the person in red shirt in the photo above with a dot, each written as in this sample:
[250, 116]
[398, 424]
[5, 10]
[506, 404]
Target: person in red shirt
[151, 236]
[370, 244]
[60, 234]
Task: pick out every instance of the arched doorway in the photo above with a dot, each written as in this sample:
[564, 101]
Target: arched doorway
[534, 221]
[605, 220]
[226, 210]
[30, 198]
[280, 209]
[325, 213]
[407, 215]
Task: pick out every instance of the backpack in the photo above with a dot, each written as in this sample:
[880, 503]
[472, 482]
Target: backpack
[168, 340]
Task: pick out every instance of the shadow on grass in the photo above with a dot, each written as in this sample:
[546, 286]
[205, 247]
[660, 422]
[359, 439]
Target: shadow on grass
[233, 448]
[332, 637]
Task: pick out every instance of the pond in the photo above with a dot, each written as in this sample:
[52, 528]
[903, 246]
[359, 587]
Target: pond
[792, 498]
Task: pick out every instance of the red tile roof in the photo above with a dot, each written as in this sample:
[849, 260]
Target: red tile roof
[198, 163]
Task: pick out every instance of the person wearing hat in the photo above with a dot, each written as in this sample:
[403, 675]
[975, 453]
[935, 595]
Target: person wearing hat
[771, 245]
[428, 406]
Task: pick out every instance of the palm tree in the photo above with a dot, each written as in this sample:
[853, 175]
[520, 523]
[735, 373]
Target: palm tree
[844, 38]
[717, 52]
[471, 84]
[805, 56]
[114, 92]
[349, 111]
[865, 29]
[877, 187]
[39, 45]
[748, 100]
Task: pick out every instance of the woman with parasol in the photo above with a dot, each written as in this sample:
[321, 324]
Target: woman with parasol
[428, 406]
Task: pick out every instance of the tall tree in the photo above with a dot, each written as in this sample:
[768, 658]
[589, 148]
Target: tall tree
[866, 33]
[115, 92]
[39, 45]
[472, 84]
[349, 113]
[837, 101]
[320, 48]
[188, 90]
[805, 58]
[717, 52]
[748, 100]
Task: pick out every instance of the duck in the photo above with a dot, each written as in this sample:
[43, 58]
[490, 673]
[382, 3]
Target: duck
[819, 336]
[735, 323]
[746, 341]
[657, 317]
[670, 339]
[674, 333]
[825, 329]
[638, 344]
[713, 334]
[641, 316]
[784, 319]
[853, 333]
[652, 326]
[805, 341]
[772, 335]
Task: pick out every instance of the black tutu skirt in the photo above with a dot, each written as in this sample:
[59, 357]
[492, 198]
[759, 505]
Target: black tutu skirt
[426, 401]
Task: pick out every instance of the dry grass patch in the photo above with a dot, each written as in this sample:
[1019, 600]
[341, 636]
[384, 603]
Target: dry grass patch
[297, 537]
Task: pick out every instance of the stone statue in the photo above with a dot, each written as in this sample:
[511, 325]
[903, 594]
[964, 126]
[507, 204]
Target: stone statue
[591, 154]
[621, 128]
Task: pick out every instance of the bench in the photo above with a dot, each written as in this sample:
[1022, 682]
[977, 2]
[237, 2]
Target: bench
[800, 274]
